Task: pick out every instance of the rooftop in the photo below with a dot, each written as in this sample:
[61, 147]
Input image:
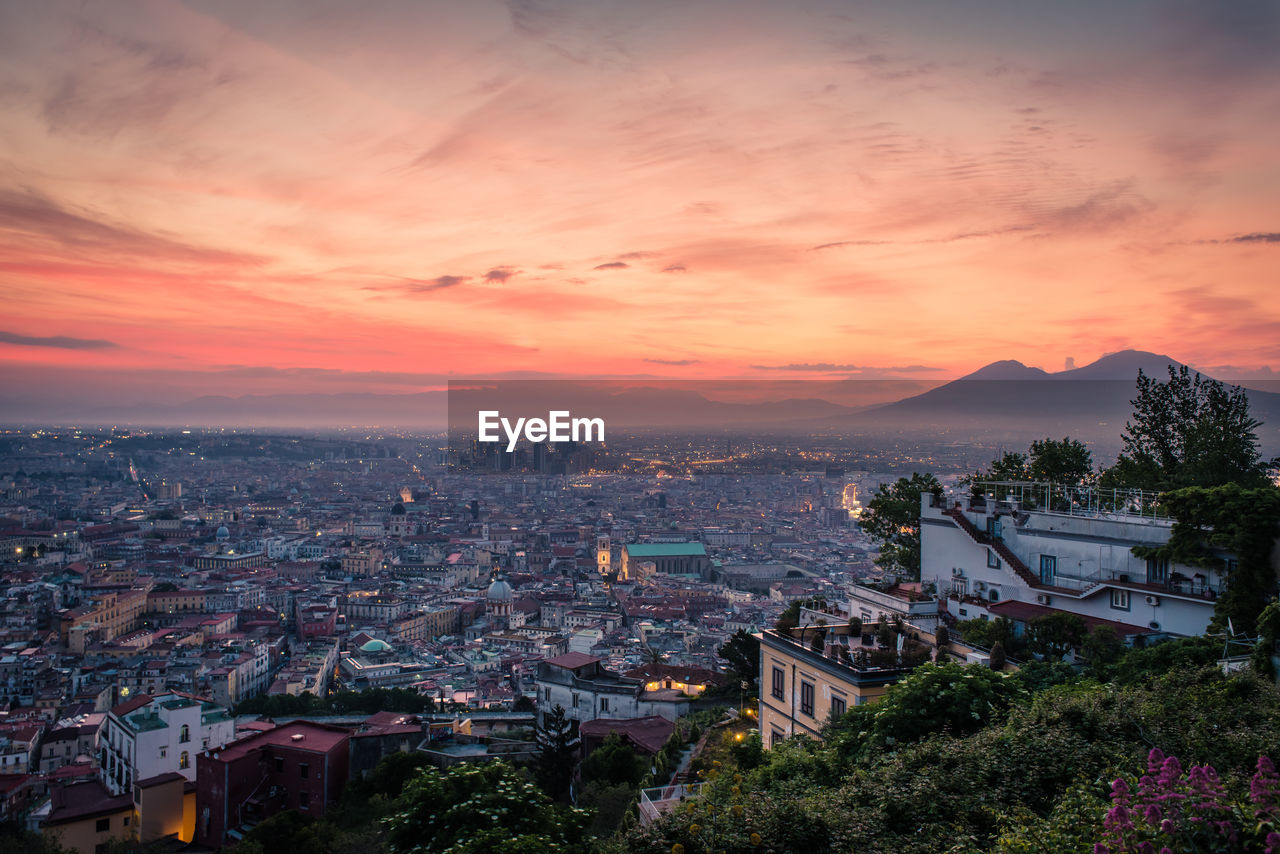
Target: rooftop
[666, 549]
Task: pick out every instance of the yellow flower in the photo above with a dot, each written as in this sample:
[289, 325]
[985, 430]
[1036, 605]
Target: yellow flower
[737, 810]
[677, 849]
[694, 828]
[755, 839]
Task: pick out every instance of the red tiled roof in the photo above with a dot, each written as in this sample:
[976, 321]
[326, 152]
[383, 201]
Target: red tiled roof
[130, 705]
[647, 733]
[316, 737]
[1024, 611]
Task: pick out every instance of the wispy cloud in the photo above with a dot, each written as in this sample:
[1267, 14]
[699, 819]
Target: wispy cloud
[675, 362]
[612, 265]
[59, 342]
[500, 275]
[830, 367]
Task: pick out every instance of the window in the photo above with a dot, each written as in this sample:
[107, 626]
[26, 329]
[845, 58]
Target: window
[304, 800]
[779, 683]
[546, 694]
[1157, 570]
[103, 825]
[304, 770]
[279, 763]
[1120, 599]
[775, 736]
[576, 697]
[164, 751]
[604, 704]
[126, 821]
[838, 706]
[806, 698]
[184, 734]
[1048, 567]
[992, 560]
[184, 761]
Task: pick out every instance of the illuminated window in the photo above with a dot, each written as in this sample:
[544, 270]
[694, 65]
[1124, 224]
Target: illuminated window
[184, 761]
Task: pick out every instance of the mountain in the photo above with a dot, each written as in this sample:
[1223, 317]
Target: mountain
[1009, 400]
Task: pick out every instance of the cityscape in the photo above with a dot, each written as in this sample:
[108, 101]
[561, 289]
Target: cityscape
[610, 428]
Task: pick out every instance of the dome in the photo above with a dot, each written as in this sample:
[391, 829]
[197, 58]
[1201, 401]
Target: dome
[375, 646]
[500, 591]
[222, 533]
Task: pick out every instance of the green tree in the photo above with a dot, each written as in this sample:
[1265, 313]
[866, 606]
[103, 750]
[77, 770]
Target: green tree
[742, 653]
[1230, 528]
[557, 752]
[1055, 635]
[614, 762]
[892, 517]
[1102, 647]
[1188, 431]
[480, 809]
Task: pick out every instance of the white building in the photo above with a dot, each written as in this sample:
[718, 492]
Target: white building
[146, 736]
[1012, 558]
[587, 691]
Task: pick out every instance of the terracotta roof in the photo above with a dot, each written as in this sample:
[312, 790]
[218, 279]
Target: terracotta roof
[84, 800]
[647, 733]
[130, 705]
[1024, 611]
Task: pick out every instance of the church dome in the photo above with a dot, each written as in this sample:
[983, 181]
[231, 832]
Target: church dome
[375, 646]
[222, 533]
[500, 591]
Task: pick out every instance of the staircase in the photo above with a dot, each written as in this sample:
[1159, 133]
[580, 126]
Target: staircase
[1010, 559]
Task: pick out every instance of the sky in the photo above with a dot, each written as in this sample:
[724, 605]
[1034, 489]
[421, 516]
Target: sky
[234, 198]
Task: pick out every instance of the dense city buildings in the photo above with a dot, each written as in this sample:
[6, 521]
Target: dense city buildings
[160, 590]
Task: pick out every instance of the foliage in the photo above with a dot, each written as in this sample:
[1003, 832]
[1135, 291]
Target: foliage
[614, 762]
[1214, 523]
[1054, 635]
[470, 809]
[1000, 784]
[892, 517]
[344, 702]
[1065, 461]
[1188, 431]
[1101, 648]
[742, 653]
[1136, 665]
[15, 838]
[937, 698]
[987, 633]
[557, 752]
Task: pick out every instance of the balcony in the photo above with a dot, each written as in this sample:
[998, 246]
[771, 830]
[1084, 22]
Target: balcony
[661, 800]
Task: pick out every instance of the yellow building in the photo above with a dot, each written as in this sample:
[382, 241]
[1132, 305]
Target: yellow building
[109, 615]
[800, 688]
[85, 816]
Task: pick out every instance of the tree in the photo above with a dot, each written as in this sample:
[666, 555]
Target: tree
[614, 762]
[1066, 461]
[1230, 528]
[557, 752]
[941, 639]
[1102, 647]
[480, 809]
[855, 626]
[742, 652]
[1055, 635]
[998, 657]
[893, 517]
[1188, 431]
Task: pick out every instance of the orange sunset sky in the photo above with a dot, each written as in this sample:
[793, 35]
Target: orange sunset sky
[225, 198]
